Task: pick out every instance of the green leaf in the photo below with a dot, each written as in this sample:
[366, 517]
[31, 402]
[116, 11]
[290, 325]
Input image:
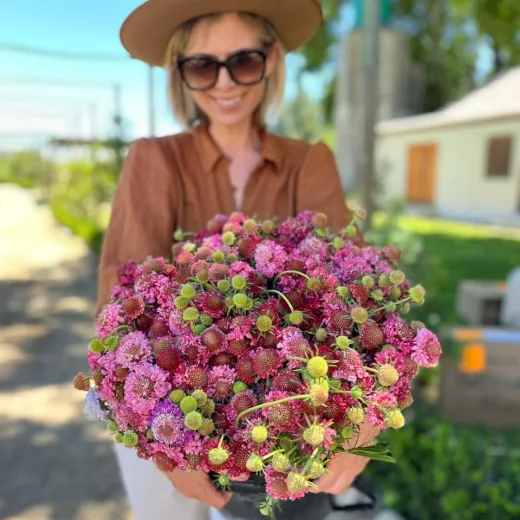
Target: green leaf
[378, 452]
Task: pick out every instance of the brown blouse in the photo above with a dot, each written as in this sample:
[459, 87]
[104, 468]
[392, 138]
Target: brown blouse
[183, 181]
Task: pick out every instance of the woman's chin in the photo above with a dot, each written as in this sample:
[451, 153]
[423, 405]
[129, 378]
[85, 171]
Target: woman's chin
[230, 119]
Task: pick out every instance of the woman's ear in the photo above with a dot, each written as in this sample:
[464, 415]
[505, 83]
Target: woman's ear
[273, 55]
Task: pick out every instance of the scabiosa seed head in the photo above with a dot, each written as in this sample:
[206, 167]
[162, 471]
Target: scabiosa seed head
[249, 225]
[218, 256]
[320, 220]
[281, 463]
[188, 291]
[188, 404]
[112, 426]
[207, 427]
[193, 421]
[223, 286]
[296, 483]
[190, 314]
[163, 462]
[371, 336]
[314, 435]
[130, 439]
[395, 419]
[176, 396]
[118, 437]
[384, 281]
[377, 295]
[238, 282]
[359, 292]
[343, 342]
[202, 276]
[351, 230]
[347, 432]
[200, 396]
[240, 300]
[268, 227]
[218, 456]
[395, 293]
[343, 291]
[397, 277]
[296, 318]
[340, 321]
[259, 434]
[417, 294]
[356, 415]
[81, 382]
[254, 463]
[181, 302]
[313, 284]
[321, 334]
[417, 325]
[387, 375]
[359, 315]
[96, 346]
[228, 238]
[264, 323]
[239, 387]
[317, 366]
[368, 281]
[208, 408]
[405, 309]
[319, 395]
[391, 308]
[338, 243]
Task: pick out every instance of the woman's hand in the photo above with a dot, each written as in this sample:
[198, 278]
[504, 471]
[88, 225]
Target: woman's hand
[345, 467]
[197, 485]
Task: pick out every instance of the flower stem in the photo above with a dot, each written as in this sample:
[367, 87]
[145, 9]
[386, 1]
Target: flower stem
[375, 311]
[267, 405]
[290, 271]
[274, 291]
[121, 327]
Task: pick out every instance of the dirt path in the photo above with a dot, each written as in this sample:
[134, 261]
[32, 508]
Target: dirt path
[54, 464]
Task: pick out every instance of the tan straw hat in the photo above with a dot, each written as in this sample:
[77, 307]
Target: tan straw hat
[147, 30]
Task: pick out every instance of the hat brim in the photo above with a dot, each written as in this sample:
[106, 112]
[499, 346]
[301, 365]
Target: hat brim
[146, 32]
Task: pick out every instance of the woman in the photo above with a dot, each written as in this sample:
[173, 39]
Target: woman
[226, 71]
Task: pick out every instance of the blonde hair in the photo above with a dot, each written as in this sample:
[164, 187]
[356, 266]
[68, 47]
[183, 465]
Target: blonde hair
[184, 108]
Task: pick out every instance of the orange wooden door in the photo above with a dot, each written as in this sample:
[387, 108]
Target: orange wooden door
[422, 173]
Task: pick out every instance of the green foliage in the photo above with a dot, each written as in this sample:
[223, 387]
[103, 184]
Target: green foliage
[450, 472]
[27, 169]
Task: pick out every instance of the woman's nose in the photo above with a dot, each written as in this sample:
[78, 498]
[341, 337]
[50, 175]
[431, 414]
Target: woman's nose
[224, 79]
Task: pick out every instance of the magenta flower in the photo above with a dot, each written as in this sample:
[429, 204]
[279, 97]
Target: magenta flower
[168, 427]
[133, 350]
[145, 386]
[270, 258]
[426, 349]
[108, 320]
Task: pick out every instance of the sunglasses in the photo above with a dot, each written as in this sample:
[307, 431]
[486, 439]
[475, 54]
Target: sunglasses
[245, 67]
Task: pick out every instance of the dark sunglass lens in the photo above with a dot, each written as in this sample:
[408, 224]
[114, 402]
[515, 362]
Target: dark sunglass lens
[200, 73]
[247, 67]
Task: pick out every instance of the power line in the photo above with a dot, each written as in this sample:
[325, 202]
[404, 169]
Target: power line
[67, 55]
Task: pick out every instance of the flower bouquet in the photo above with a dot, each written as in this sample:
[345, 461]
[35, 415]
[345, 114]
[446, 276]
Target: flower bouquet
[259, 350]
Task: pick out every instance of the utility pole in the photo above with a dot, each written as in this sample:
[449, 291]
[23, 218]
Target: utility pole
[370, 105]
[151, 101]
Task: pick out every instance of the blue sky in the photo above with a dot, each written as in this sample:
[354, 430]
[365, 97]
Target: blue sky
[33, 96]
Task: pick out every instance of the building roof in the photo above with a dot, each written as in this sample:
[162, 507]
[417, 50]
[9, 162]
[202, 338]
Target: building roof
[499, 99]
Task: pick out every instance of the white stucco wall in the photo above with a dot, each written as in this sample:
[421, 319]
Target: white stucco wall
[462, 188]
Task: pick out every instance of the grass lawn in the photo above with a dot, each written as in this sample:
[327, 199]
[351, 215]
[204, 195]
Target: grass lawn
[454, 251]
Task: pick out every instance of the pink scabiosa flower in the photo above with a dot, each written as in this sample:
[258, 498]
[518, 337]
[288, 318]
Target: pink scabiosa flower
[127, 273]
[313, 251]
[240, 268]
[108, 319]
[426, 349]
[128, 419]
[167, 424]
[133, 307]
[133, 349]
[392, 357]
[276, 485]
[221, 379]
[93, 360]
[145, 386]
[150, 286]
[350, 367]
[399, 334]
[293, 344]
[270, 258]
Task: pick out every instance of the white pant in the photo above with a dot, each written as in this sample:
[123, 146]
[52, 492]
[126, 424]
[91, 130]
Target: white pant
[151, 495]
